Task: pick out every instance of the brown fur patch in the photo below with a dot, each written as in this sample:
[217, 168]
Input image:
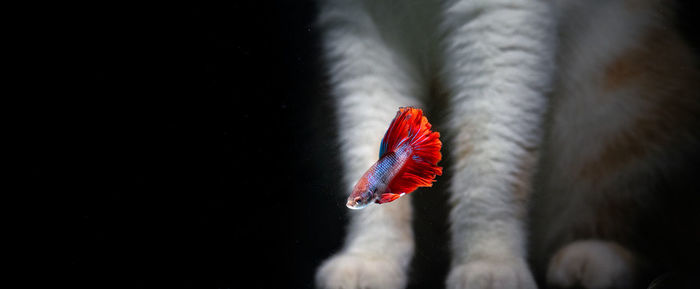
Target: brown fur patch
[622, 71]
[662, 71]
[609, 215]
[523, 177]
[659, 6]
[660, 57]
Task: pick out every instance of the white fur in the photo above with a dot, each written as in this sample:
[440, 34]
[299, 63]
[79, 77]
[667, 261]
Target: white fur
[373, 71]
[496, 60]
[594, 264]
[361, 271]
[503, 61]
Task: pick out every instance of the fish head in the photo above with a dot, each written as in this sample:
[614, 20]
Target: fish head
[361, 199]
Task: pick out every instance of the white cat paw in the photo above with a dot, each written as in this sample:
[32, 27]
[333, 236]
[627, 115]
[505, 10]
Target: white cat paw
[593, 264]
[349, 271]
[491, 274]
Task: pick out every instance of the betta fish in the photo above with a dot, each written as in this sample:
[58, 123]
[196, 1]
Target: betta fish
[408, 158]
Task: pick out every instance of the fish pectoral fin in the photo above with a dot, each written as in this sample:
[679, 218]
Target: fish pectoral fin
[388, 197]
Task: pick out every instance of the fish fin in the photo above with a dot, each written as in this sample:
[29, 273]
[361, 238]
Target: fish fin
[412, 128]
[398, 130]
[388, 197]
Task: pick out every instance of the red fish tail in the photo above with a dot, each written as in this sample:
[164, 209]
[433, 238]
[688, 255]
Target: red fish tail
[411, 128]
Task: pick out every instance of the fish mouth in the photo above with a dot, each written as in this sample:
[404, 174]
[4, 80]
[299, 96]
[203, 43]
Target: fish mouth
[355, 205]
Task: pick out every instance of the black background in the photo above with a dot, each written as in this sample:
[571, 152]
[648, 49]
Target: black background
[193, 147]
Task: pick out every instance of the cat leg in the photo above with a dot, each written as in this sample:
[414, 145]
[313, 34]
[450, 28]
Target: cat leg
[370, 79]
[378, 250]
[593, 264]
[498, 70]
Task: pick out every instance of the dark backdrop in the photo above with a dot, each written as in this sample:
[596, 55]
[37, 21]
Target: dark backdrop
[195, 145]
[191, 146]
